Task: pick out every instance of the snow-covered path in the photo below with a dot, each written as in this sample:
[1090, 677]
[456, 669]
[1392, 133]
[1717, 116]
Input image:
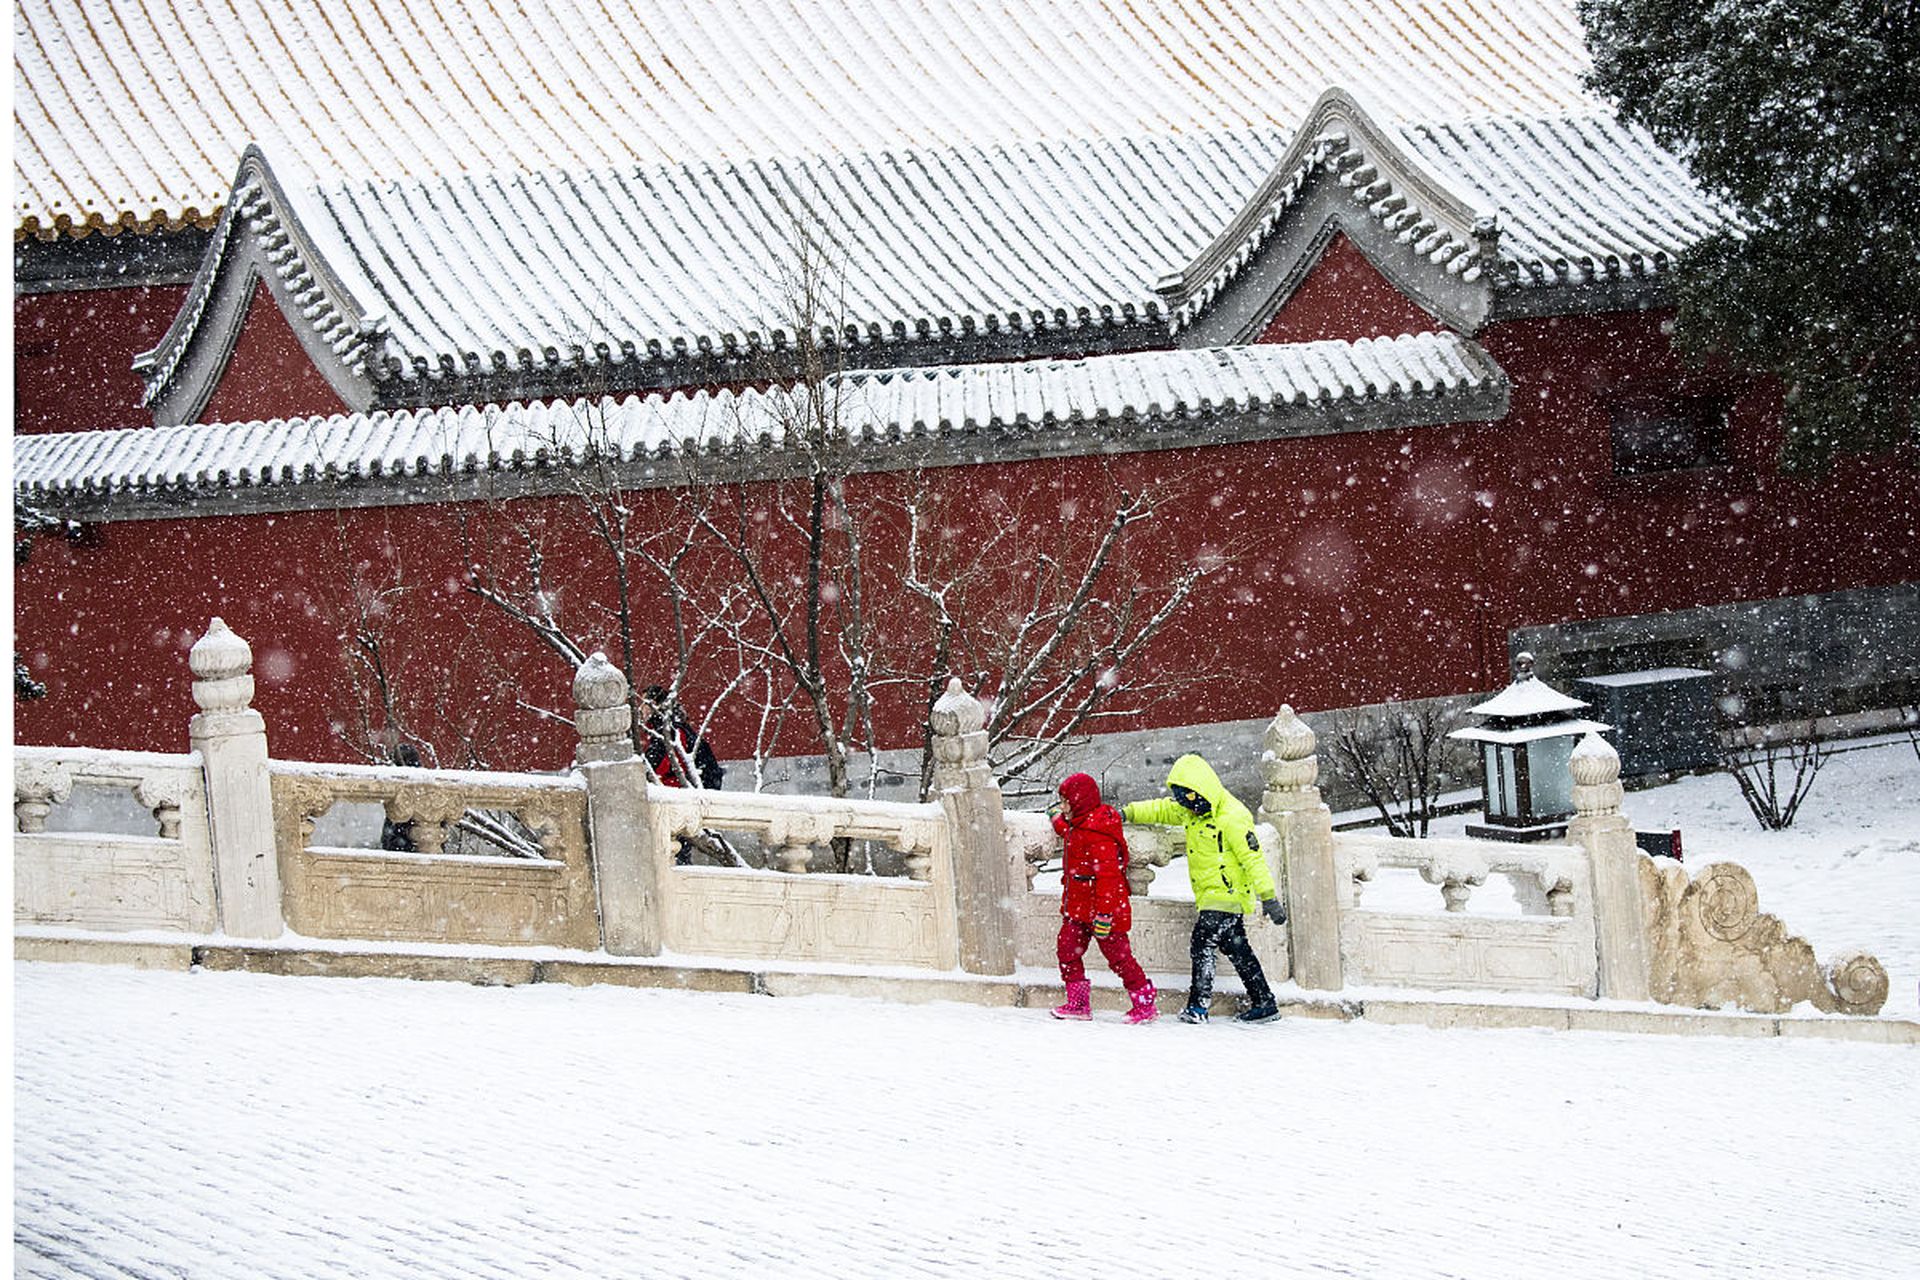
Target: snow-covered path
[232, 1125]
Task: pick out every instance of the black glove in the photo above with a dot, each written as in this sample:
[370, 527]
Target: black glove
[1275, 912]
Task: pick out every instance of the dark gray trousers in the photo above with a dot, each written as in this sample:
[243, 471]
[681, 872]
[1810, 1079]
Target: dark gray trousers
[1227, 932]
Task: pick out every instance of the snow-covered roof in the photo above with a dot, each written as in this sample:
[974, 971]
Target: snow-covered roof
[132, 115]
[503, 286]
[1145, 400]
[1656, 675]
[1529, 733]
[534, 285]
[1499, 205]
[1527, 696]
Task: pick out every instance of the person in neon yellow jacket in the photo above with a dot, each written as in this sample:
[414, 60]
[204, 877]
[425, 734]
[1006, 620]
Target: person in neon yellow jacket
[1229, 874]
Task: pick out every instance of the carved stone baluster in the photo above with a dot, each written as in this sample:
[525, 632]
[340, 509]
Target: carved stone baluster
[306, 799]
[1560, 898]
[37, 787]
[1139, 873]
[429, 837]
[786, 839]
[545, 826]
[916, 847]
[429, 814]
[1292, 804]
[1031, 865]
[163, 803]
[1360, 872]
[232, 741]
[1456, 878]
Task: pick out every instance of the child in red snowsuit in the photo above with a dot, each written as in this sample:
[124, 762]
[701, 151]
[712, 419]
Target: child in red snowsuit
[1094, 905]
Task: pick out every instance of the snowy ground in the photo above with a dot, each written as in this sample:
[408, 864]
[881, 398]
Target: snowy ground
[232, 1125]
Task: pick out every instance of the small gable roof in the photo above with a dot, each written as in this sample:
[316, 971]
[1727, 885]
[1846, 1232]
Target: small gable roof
[1477, 218]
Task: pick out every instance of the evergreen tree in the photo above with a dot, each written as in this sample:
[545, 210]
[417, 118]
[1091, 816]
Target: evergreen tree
[1804, 117]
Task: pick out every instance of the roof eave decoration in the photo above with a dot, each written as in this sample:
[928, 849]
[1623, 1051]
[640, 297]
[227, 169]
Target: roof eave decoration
[262, 236]
[1342, 172]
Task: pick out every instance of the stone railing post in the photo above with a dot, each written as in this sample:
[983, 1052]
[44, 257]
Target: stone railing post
[1291, 802]
[231, 738]
[983, 870]
[1613, 859]
[627, 868]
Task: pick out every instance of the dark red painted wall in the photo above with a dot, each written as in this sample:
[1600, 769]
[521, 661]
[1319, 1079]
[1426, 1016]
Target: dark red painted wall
[1343, 296]
[1372, 565]
[269, 375]
[73, 361]
[1384, 564]
[73, 356]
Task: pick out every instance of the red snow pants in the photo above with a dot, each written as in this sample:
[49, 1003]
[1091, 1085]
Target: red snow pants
[1072, 946]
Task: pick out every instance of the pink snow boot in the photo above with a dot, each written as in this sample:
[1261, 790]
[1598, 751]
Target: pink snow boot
[1143, 1009]
[1079, 1005]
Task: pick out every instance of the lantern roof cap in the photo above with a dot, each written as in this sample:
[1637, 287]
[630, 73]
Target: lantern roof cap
[1527, 697]
[1530, 732]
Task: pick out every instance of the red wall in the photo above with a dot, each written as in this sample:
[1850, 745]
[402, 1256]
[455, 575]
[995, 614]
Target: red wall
[1362, 567]
[73, 356]
[270, 374]
[73, 361]
[1343, 296]
[1379, 564]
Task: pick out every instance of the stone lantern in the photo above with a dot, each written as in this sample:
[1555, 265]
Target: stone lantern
[1526, 747]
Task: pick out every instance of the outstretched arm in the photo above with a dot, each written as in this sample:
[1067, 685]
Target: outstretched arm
[1163, 812]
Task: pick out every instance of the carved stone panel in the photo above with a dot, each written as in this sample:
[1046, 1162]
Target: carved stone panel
[1433, 952]
[162, 879]
[111, 883]
[775, 916]
[427, 896]
[354, 894]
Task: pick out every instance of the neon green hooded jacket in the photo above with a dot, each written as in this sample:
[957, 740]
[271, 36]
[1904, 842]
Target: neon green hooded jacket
[1228, 870]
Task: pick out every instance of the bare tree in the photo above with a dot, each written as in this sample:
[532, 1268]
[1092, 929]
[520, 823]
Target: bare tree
[1776, 773]
[1052, 632]
[448, 703]
[807, 591]
[1398, 761]
[643, 593]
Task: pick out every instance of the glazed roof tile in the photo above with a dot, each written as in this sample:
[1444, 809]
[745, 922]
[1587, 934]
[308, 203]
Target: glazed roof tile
[131, 113]
[548, 281]
[1519, 202]
[1045, 235]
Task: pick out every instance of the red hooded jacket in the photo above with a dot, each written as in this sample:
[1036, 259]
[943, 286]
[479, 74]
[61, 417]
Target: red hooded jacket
[1094, 879]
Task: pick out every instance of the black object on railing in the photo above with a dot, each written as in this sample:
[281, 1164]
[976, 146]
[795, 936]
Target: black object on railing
[1660, 844]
